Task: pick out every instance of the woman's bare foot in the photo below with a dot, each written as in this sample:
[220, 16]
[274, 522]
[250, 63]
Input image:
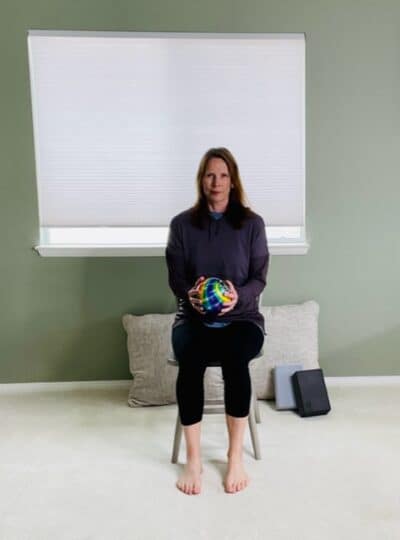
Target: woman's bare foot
[190, 480]
[236, 477]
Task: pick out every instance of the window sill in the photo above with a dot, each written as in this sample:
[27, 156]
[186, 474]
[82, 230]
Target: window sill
[126, 250]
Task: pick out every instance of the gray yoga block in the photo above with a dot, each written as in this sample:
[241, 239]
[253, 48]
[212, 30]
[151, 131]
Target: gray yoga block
[284, 396]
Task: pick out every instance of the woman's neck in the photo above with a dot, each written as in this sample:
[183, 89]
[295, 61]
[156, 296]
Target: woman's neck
[218, 207]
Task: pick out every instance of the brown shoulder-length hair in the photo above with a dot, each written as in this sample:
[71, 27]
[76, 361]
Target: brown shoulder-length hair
[237, 211]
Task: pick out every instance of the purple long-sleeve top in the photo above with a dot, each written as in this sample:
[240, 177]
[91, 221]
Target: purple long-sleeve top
[240, 255]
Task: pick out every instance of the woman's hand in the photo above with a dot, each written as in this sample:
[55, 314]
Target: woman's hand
[234, 298]
[193, 295]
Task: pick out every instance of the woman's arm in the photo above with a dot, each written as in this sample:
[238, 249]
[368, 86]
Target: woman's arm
[174, 255]
[259, 263]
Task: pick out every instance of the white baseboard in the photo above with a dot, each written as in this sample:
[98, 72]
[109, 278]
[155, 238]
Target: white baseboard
[67, 385]
[125, 383]
[363, 380]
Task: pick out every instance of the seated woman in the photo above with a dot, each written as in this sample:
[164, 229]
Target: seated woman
[218, 237]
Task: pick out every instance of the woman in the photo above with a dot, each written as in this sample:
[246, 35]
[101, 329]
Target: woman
[217, 237]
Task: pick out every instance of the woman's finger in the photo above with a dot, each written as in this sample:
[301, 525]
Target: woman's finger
[196, 304]
[199, 280]
[231, 286]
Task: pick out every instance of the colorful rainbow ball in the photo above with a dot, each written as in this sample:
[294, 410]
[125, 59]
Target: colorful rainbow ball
[213, 294]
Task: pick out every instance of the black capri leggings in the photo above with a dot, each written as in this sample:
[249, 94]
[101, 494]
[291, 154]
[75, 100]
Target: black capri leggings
[234, 345]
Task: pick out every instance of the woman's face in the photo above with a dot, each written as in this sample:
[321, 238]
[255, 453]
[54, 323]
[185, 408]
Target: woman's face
[216, 183]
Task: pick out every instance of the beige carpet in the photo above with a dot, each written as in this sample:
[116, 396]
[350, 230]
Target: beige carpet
[79, 464]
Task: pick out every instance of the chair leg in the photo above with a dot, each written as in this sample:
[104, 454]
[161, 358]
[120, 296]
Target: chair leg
[255, 400]
[177, 439]
[253, 413]
[254, 432]
[257, 410]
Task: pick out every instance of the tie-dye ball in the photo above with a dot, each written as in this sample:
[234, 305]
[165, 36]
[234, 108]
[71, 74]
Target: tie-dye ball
[213, 294]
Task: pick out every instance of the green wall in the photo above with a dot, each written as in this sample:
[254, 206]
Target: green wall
[60, 318]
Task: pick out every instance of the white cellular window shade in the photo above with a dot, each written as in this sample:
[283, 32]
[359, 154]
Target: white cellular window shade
[122, 119]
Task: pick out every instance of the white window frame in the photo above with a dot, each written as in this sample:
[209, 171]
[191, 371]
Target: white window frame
[145, 242]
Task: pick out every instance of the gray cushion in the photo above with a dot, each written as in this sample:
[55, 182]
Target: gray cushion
[292, 337]
[284, 393]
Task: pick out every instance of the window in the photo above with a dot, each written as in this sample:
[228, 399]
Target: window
[121, 121]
